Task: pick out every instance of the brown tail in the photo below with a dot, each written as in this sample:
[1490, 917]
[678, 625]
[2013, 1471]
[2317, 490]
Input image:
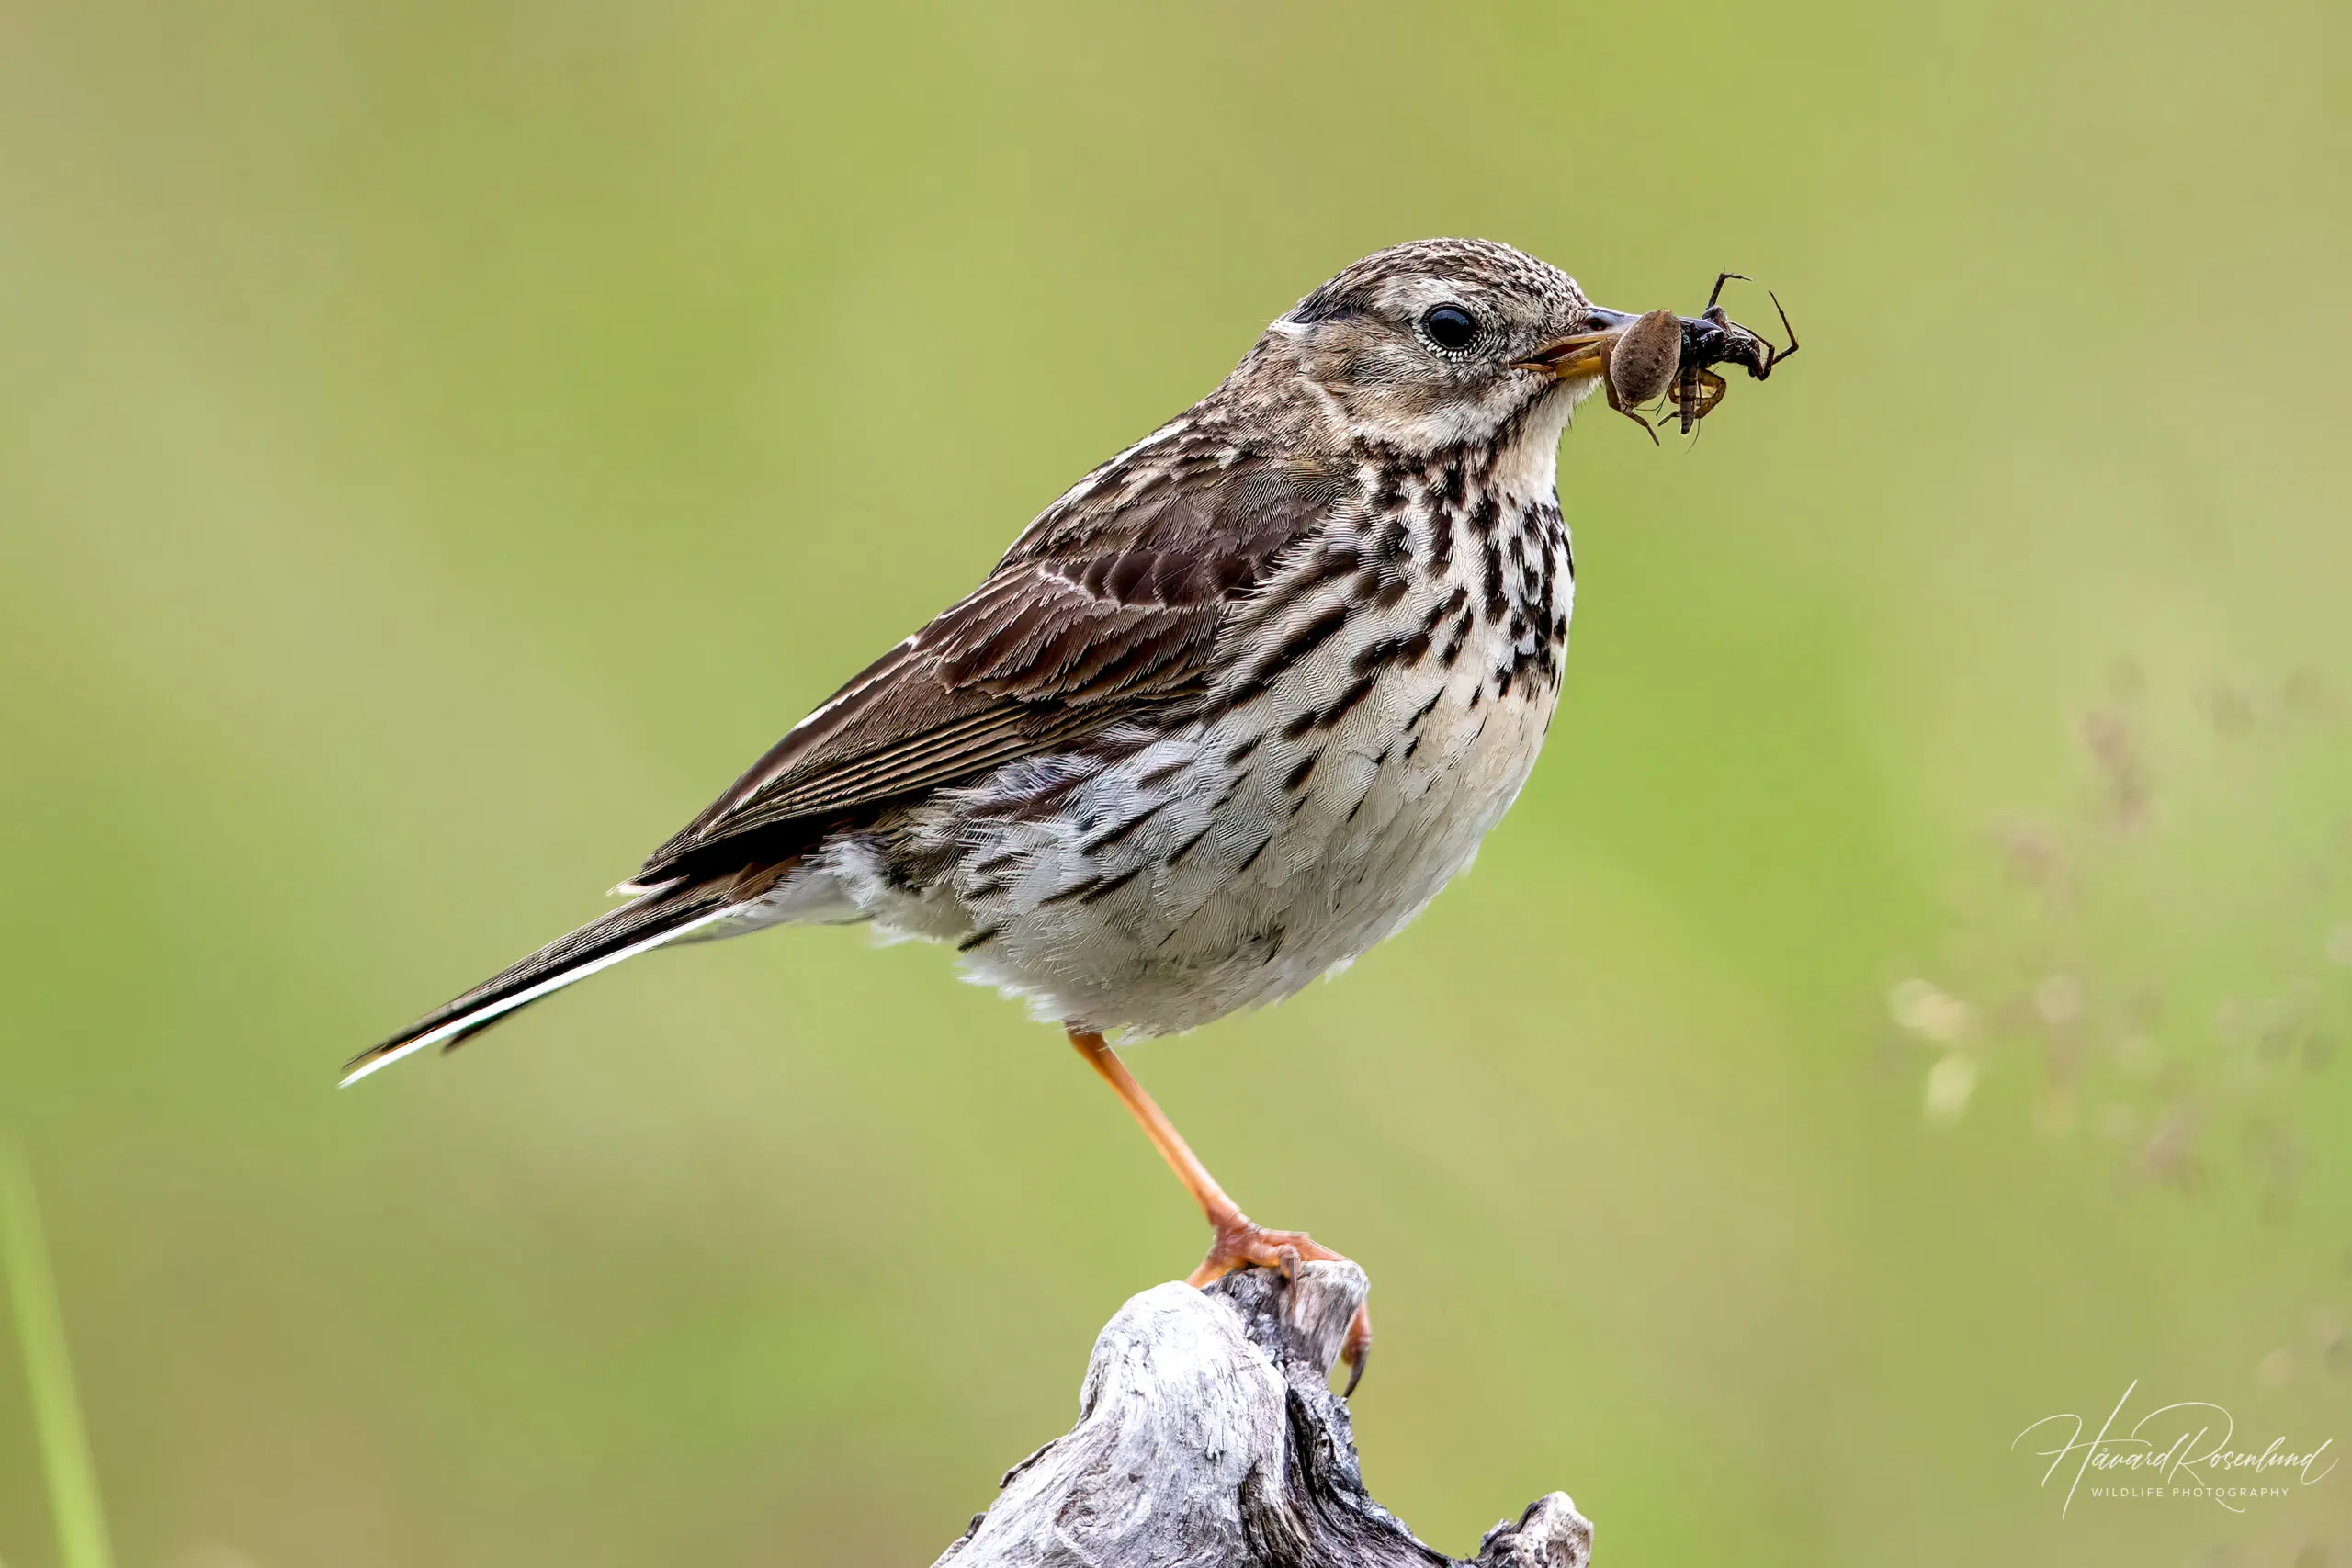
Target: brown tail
[661, 916]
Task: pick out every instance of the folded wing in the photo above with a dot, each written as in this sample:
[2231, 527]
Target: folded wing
[1108, 608]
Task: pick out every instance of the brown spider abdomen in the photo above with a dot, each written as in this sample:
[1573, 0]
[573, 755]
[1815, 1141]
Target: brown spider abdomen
[1647, 355]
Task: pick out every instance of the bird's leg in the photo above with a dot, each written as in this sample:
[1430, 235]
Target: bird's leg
[1236, 1241]
[1239, 1241]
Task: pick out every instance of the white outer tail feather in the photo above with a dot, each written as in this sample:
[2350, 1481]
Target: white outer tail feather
[491, 1009]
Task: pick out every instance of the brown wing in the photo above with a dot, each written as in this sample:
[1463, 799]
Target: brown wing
[1108, 607]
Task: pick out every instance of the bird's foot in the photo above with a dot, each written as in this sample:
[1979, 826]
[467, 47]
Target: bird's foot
[1242, 1243]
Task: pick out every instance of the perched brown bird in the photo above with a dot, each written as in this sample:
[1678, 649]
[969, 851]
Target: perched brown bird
[1228, 713]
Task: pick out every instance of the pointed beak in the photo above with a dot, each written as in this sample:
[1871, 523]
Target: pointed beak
[1584, 351]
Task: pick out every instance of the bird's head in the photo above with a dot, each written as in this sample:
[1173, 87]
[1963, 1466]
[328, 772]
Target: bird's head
[1439, 343]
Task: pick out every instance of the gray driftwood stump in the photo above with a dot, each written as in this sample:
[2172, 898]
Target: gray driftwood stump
[1207, 1434]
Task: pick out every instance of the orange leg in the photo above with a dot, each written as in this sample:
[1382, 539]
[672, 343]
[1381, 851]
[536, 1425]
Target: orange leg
[1236, 1241]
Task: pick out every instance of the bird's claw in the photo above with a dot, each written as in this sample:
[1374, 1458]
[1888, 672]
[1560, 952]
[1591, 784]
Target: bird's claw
[1355, 1351]
[1241, 1243]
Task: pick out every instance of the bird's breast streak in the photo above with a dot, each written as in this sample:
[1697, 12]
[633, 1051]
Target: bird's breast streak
[1228, 863]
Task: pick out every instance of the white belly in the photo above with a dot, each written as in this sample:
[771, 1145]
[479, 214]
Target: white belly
[1242, 891]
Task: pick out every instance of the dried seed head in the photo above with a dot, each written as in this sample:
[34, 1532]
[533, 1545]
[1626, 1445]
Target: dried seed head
[1643, 362]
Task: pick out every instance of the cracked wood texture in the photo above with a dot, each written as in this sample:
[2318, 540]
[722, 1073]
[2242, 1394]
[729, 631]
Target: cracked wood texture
[1208, 1434]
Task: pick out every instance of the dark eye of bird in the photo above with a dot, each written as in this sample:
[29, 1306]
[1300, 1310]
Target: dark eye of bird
[1450, 326]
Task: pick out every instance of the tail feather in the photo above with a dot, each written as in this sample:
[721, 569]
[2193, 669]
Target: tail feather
[659, 916]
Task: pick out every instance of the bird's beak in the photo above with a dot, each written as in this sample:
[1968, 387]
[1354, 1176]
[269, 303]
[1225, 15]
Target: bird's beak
[1585, 350]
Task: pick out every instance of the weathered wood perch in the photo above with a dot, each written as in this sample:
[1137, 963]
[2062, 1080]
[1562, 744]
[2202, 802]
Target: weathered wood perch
[1207, 1435]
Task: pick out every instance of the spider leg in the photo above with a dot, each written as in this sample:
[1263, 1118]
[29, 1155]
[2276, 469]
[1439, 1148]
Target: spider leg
[1608, 385]
[1780, 354]
[1708, 389]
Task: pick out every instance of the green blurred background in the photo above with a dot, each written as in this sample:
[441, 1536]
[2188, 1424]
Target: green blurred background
[440, 443]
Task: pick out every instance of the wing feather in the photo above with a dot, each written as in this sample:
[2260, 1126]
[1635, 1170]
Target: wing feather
[1110, 605]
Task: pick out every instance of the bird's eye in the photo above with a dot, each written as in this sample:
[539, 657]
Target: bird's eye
[1450, 326]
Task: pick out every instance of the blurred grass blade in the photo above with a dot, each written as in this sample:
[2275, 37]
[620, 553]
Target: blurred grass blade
[40, 1329]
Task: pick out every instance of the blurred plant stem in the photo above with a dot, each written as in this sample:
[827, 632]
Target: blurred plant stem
[49, 1374]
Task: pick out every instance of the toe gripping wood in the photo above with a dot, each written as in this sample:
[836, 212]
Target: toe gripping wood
[1206, 1433]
